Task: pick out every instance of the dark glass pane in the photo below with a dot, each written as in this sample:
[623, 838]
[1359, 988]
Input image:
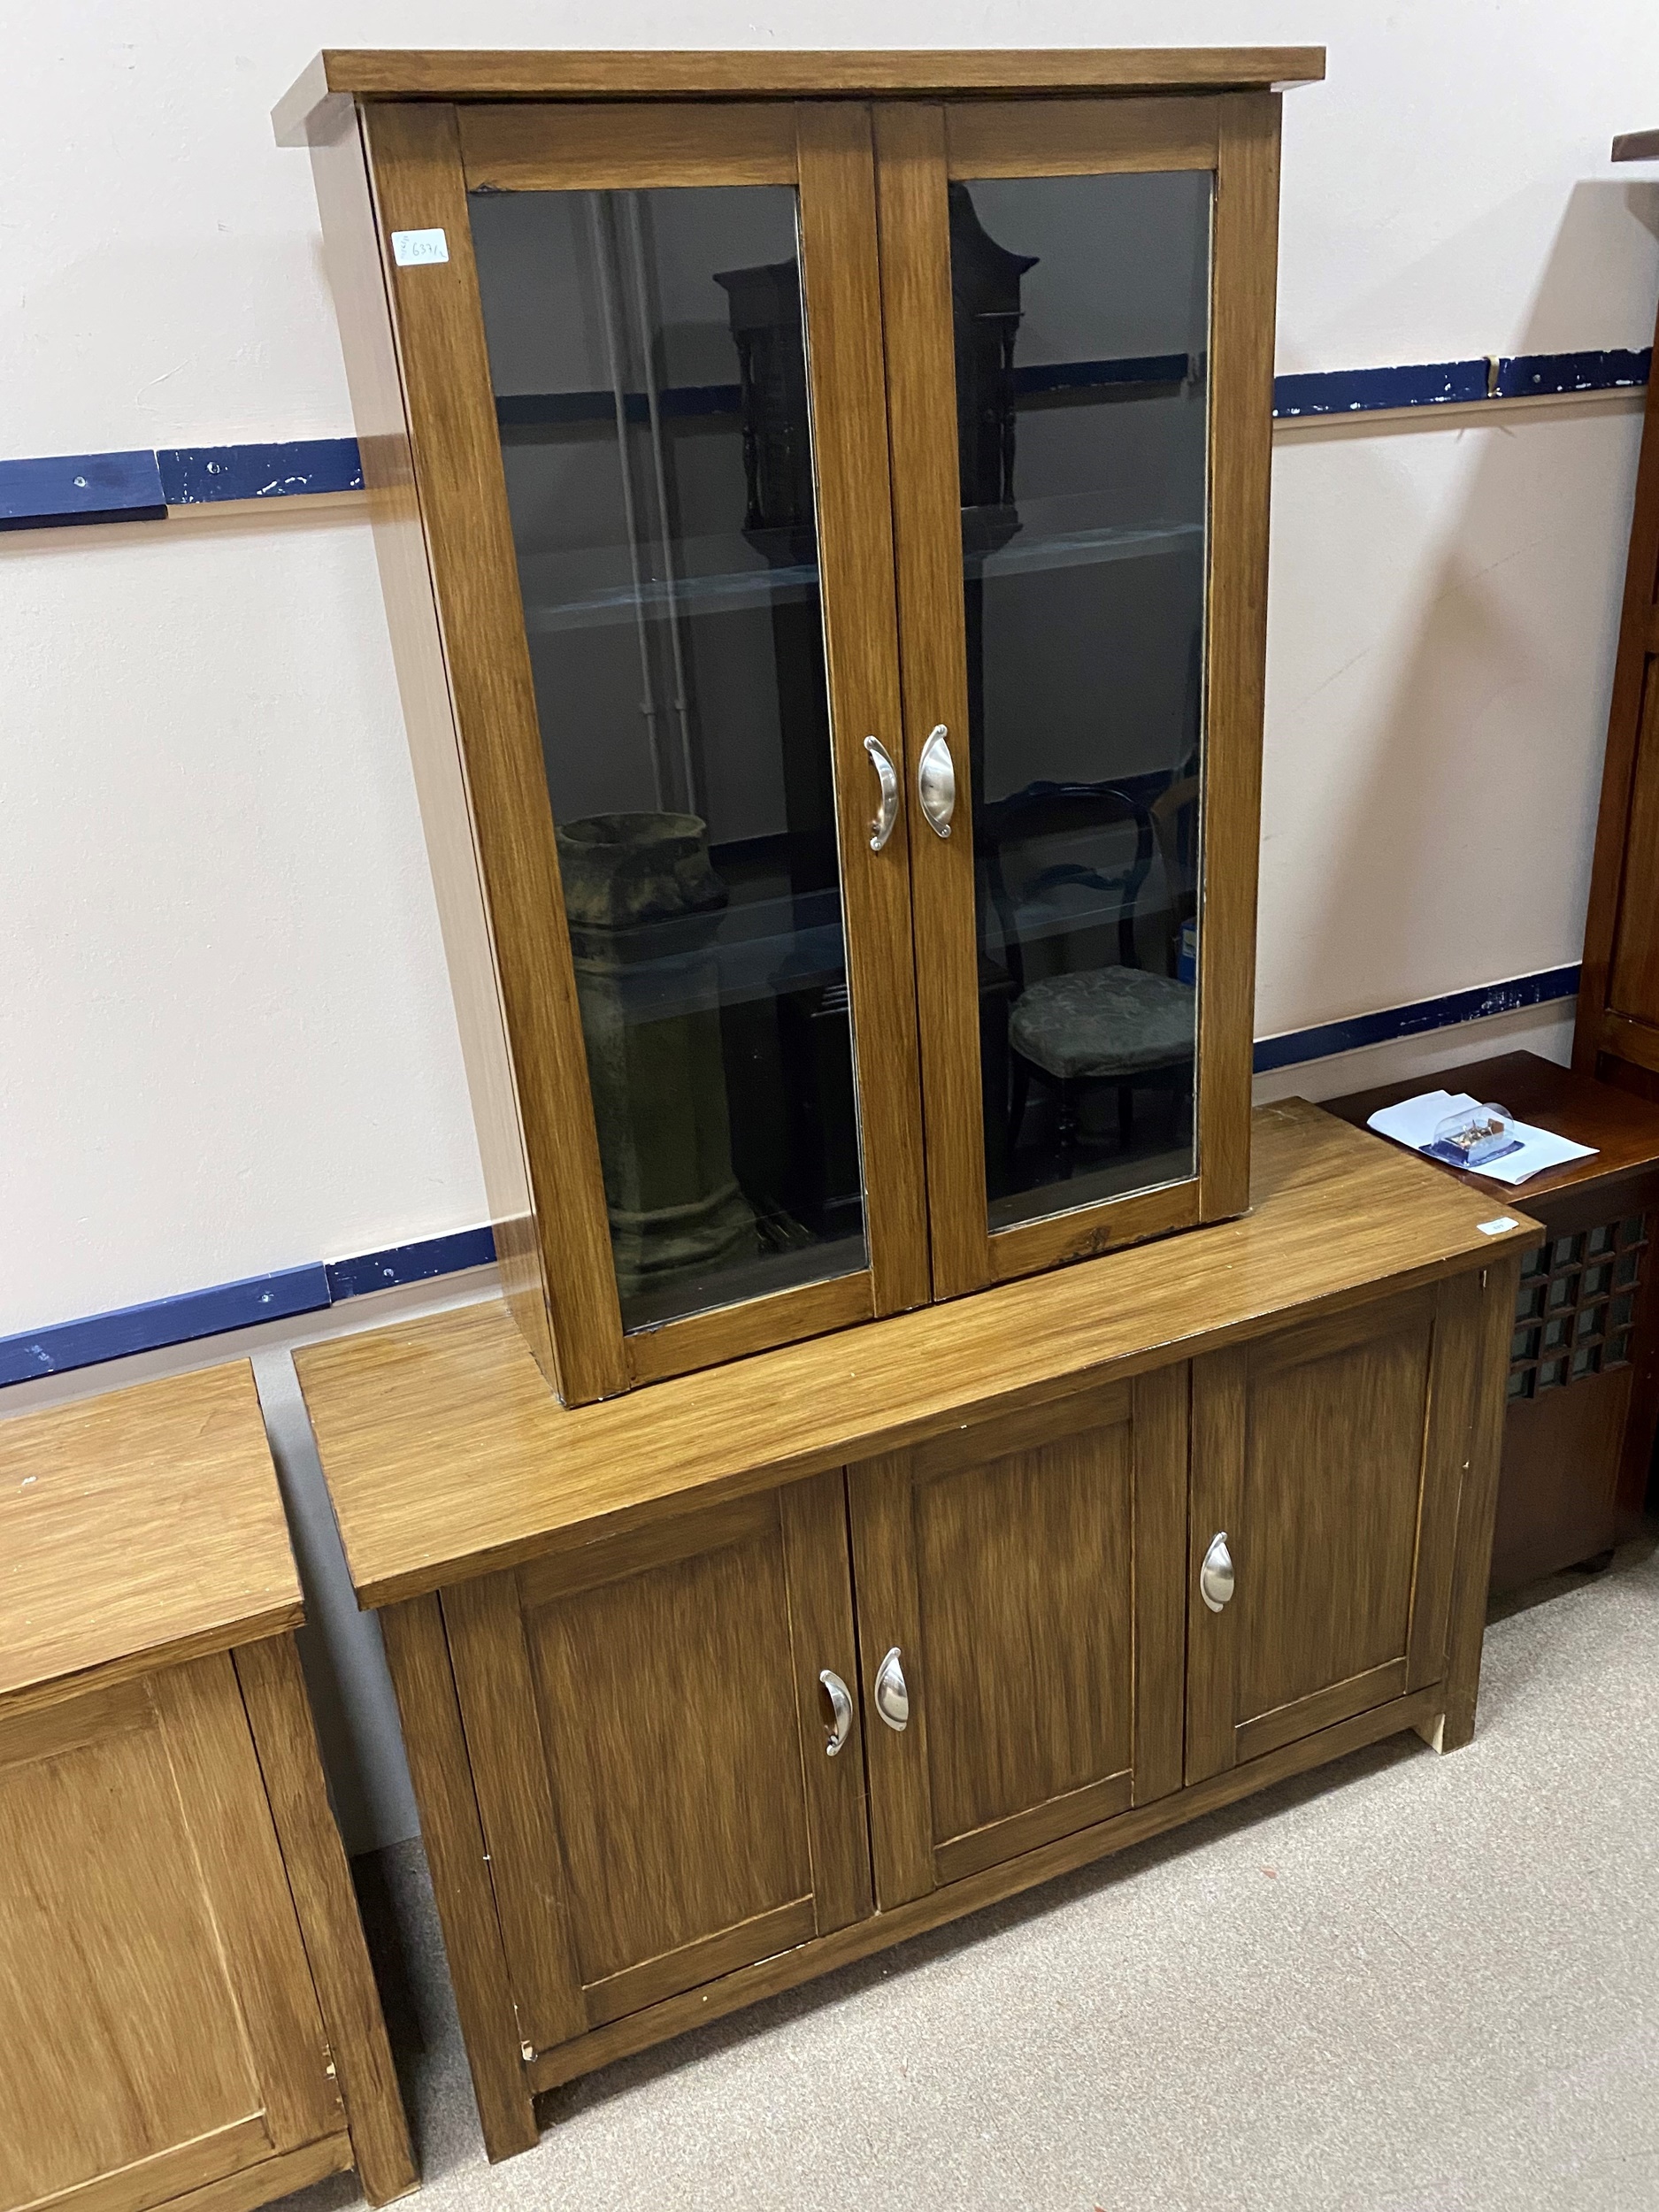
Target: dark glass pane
[1556, 1335]
[1564, 1292]
[1628, 1269]
[1552, 1374]
[1598, 1280]
[1521, 1382]
[1568, 1249]
[1630, 1232]
[1623, 1309]
[1536, 1261]
[1618, 1351]
[1602, 1239]
[647, 354]
[1586, 1361]
[1524, 1344]
[1529, 1301]
[1081, 309]
[1592, 1321]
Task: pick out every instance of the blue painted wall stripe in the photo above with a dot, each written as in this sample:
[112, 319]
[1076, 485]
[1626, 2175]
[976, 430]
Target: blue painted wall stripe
[165, 1321]
[411, 1263]
[64, 488]
[190, 474]
[201, 1313]
[79, 487]
[1299, 1045]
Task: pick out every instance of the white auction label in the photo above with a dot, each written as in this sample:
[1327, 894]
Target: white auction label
[410, 247]
[1496, 1228]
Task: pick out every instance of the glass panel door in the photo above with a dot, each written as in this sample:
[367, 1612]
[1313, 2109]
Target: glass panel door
[647, 355]
[1081, 337]
[1079, 612]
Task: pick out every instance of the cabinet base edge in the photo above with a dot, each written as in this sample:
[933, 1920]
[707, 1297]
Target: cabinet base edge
[786, 1970]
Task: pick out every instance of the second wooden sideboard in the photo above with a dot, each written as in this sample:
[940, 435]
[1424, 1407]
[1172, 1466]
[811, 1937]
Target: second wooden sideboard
[710, 1688]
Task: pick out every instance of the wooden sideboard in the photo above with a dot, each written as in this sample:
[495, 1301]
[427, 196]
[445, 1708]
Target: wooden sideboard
[1583, 1400]
[185, 2004]
[712, 1687]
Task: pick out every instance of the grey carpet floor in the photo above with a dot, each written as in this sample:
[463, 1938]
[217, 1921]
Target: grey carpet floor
[1403, 1982]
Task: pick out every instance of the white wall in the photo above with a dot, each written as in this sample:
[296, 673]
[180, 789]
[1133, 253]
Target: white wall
[226, 1043]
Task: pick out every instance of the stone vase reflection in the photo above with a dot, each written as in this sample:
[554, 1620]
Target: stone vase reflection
[644, 904]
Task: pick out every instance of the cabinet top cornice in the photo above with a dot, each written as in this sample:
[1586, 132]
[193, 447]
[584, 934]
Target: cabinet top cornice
[447, 1456]
[442, 74]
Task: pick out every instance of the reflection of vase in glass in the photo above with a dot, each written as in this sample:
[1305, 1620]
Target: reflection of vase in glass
[644, 904]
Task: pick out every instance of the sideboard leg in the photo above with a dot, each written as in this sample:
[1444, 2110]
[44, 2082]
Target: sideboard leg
[1477, 1511]
[419, 1655]
[279, 1714]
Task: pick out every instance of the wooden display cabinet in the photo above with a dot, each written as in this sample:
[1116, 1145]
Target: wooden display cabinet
[822, 510]
[712, 1687]
[186, 2003]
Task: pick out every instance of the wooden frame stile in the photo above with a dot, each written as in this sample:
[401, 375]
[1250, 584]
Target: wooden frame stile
[1616, 1034]
[422, 159]
[919, 149]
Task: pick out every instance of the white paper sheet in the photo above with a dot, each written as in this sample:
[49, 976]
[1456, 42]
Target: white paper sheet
[1414, 1121]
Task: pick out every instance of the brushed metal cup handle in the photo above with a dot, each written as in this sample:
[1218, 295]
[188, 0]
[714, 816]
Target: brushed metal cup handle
[1215, 1576]
[841, 1720]
[887, 804]
[893, 1698]
[936, 781]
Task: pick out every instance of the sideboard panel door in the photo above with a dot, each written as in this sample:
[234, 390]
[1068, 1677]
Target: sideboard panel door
[145, 1916]
[649, 1739]
[1325, 1471]
[1026, 1572]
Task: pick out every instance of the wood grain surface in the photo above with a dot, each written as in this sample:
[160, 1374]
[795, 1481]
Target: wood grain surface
[1618, 982]
[1004, 1560]
[1061, 138]
[1331, 1456]
[161, 2026]
[447, 1455]
[1006, 1879]
[581, 148]
[643, 1730]
[138, 1527]
[773, 73]
[841, 285]
[415, 169]
[1243, 281]
[921, 388]
[279, 1714]
[418, 1656]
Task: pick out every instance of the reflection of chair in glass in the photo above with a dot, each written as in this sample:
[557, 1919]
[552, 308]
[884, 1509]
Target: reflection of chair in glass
[1117, 1024]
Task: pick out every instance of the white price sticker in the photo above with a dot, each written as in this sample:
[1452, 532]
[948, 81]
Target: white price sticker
[1495, 1228]
[411, 248]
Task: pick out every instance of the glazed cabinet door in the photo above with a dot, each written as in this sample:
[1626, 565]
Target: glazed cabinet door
[1326, 1468]
[1020, 1627]
[665, 1746]
[160, 2028]
[1079, 302]
[641, 352]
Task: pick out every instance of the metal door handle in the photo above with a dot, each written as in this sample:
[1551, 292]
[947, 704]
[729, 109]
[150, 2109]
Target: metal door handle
[841, 1721]
[893, 1699]
[887, 804]
[1215, 1576]
[936, 780]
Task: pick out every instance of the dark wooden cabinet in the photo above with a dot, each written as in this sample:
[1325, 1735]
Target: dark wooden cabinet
[1024, 1575]
[1583, 1386]
[1328, 1463]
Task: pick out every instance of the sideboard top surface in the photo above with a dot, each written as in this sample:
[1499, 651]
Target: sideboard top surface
[138, 1529]
[447, 1456]
[771, 72]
